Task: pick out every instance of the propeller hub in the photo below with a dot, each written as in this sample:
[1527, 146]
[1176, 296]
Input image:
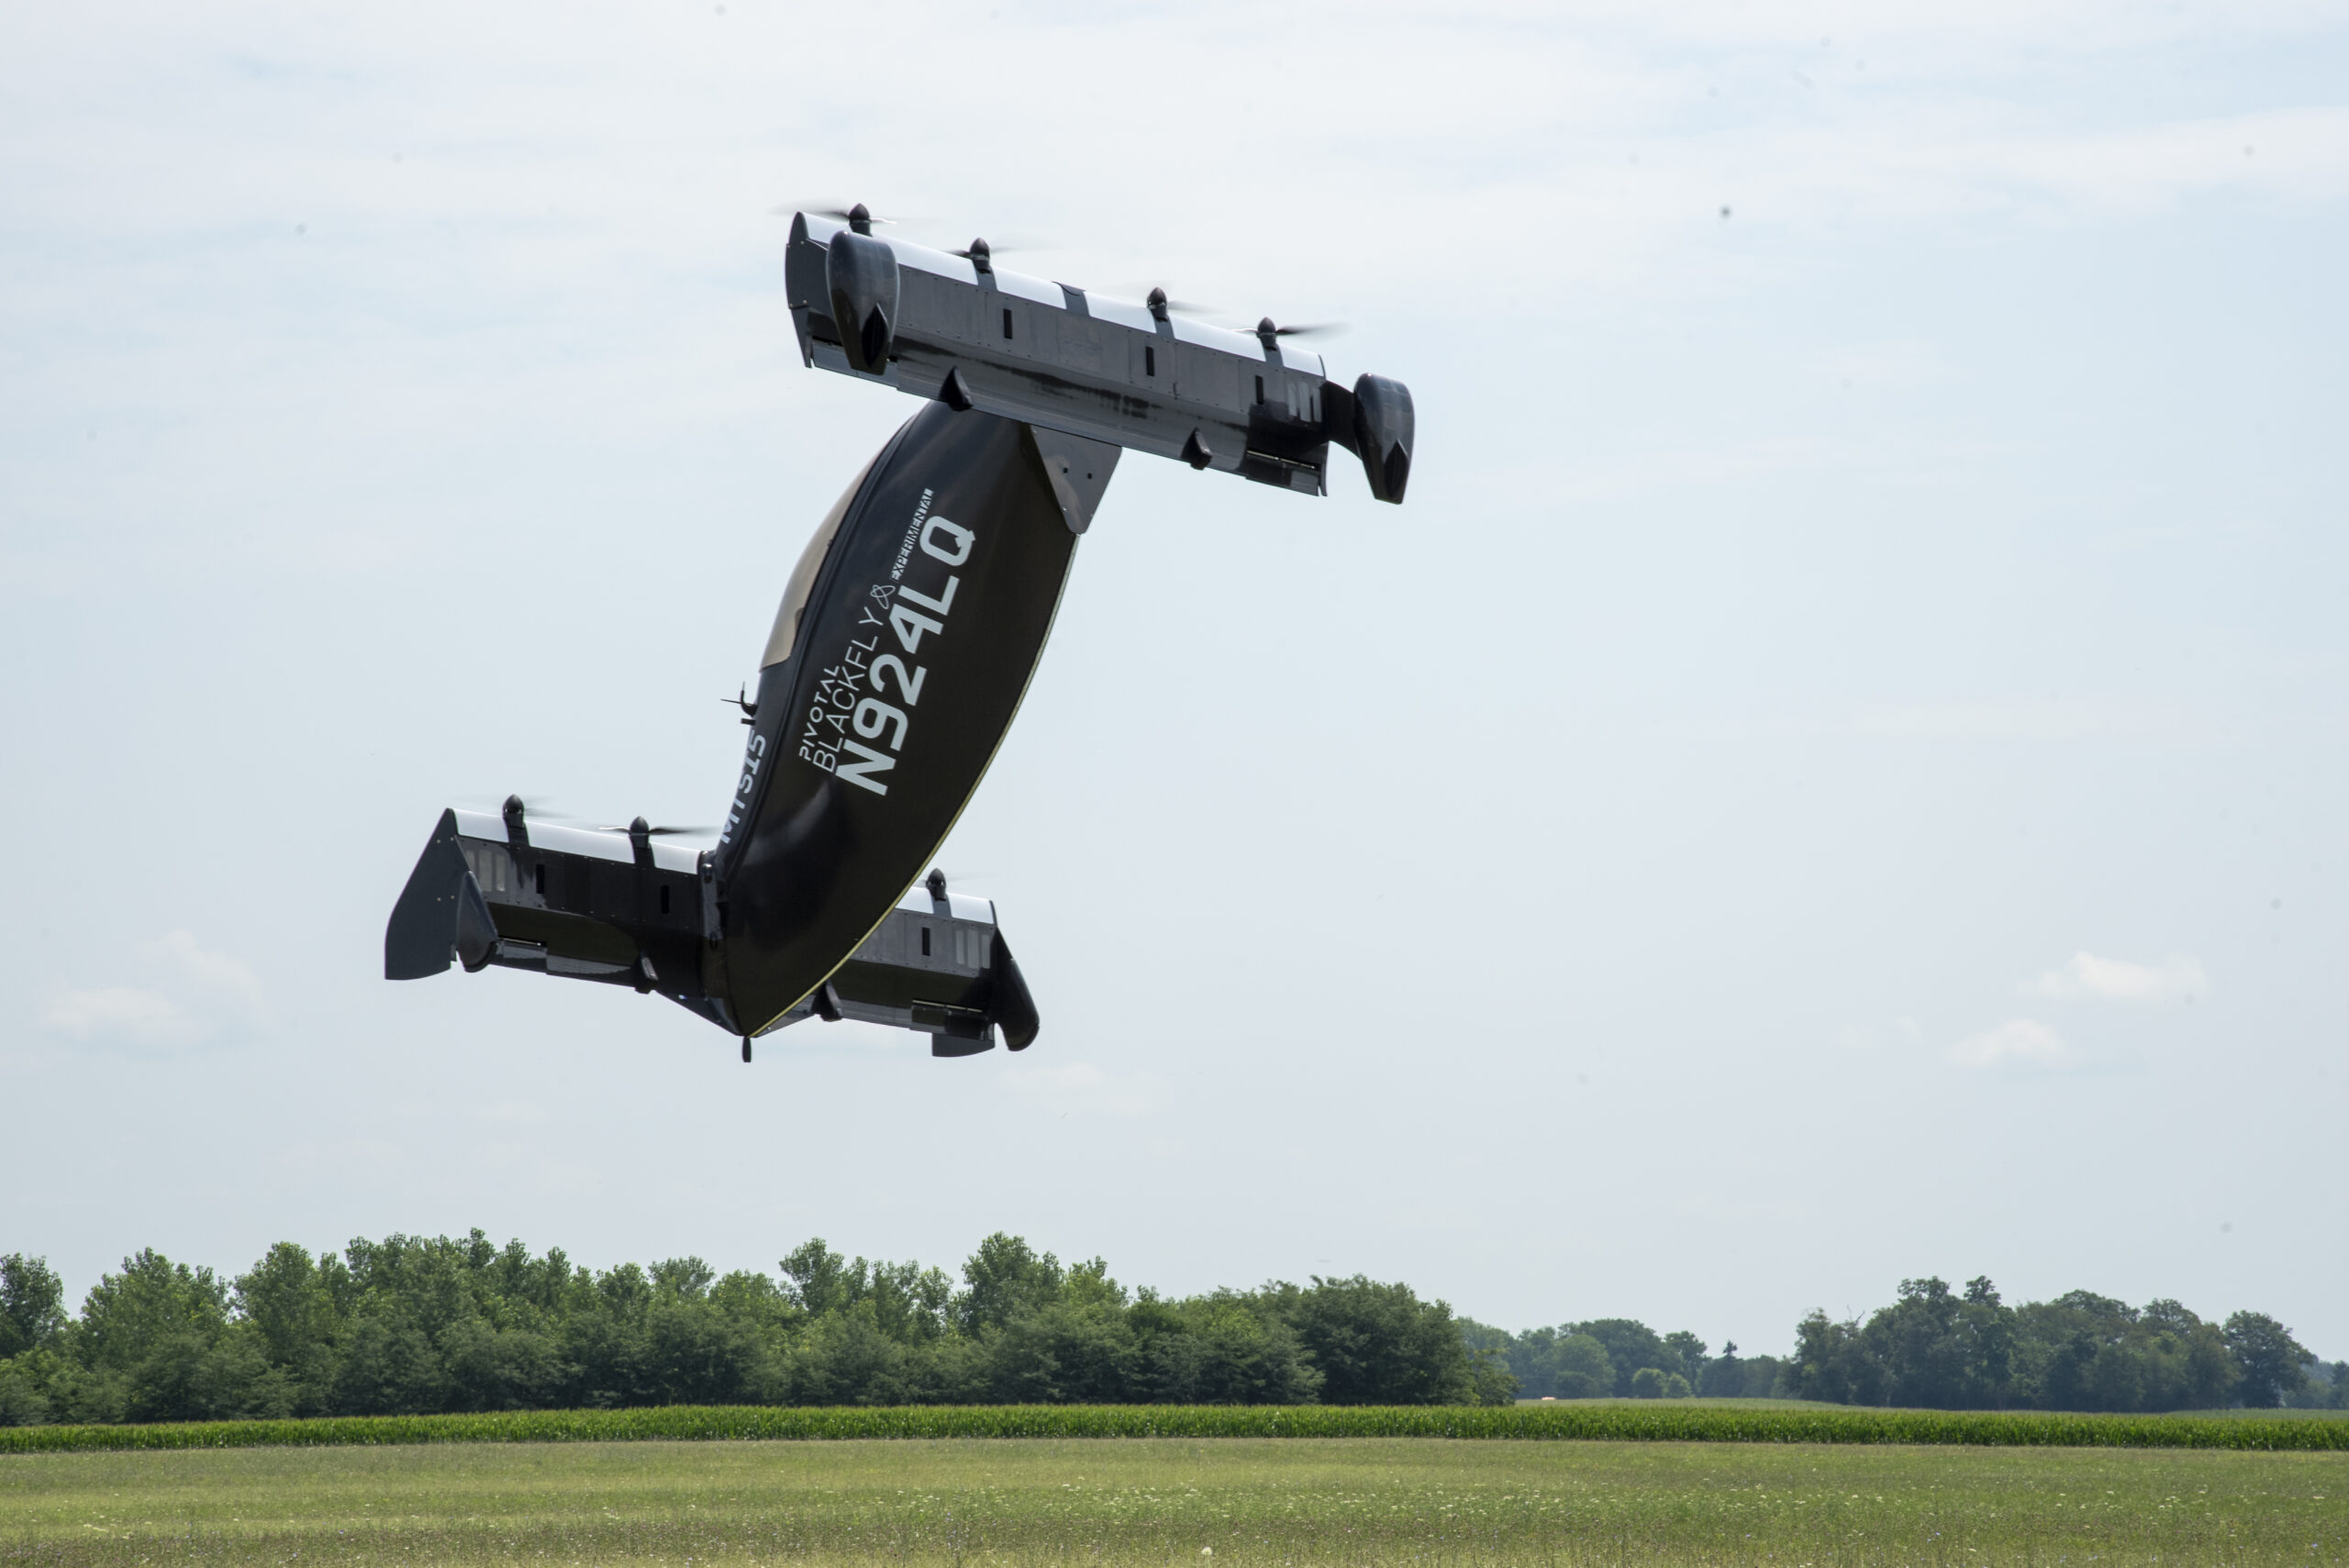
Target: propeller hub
[859, 218]
[1157, 303]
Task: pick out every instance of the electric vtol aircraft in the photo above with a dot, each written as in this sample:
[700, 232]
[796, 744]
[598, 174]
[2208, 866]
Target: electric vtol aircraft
[907, 636]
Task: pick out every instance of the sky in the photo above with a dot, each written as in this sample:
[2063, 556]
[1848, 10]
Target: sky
[1833, 776]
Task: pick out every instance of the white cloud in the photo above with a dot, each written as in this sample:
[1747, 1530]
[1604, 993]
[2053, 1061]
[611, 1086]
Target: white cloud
[123, 1015]
[194, 995]
[2175, 979]
[215, 974]
[2018, 1042]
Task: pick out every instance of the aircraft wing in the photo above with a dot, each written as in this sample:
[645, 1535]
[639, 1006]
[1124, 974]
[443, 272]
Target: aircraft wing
[972, 335]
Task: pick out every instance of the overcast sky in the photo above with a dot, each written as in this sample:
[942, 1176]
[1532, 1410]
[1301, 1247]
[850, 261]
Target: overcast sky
[1836, 773]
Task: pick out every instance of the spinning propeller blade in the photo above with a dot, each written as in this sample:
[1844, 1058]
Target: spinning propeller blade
[857, 216]
[1302, 329]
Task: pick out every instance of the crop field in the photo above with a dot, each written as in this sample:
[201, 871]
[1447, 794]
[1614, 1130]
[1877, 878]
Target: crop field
[1224, 1501]
[1654, 1420]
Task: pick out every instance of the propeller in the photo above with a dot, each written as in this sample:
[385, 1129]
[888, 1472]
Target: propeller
[858, 216]
[1267, 329]
[1160, 304]
[535, 809]
[1017, 245]
[538, 807]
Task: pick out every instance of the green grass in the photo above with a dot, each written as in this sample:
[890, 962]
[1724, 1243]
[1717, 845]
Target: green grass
[1224, 1502]
[1678, 1421]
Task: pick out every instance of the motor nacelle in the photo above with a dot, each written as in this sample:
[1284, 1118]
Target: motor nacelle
[1383, 433]
[861, 280]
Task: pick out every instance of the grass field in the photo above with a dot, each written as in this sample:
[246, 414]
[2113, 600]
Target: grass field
[1403, 1501]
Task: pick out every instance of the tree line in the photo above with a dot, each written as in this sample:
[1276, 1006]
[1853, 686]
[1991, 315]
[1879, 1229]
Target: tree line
[415, 1325]
[1969, 1350]
[411, 1325]
[1938, 1349]
[1623, 1358]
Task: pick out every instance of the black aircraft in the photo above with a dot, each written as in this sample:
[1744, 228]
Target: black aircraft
[907, 636]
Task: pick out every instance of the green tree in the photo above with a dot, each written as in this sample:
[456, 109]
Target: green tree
[32, 1303]
[756, 1302]
[388, 1367]
[1935, 1348]
[1827, 1363]
[1063, 1353]
[910, 1303]
[490, 1368]
[233, 1380]
[1490, 1379]
[843, 1358]
[696, 1355]
[22, 1403]
[289, 1299]
[1688, 1355]
[1222, 1349]
[2273, 1365]
[153, 1309]
[2079, 1351]
[1526, 1357]
[682, 1279]
[1582, 1369]
[816, 1278]
[1378, 1344]
[1724, 1375]
[1494, 1358]
[2185, 1364]
[1630, 1345]
[1004, 1275]
[1482, 1336]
